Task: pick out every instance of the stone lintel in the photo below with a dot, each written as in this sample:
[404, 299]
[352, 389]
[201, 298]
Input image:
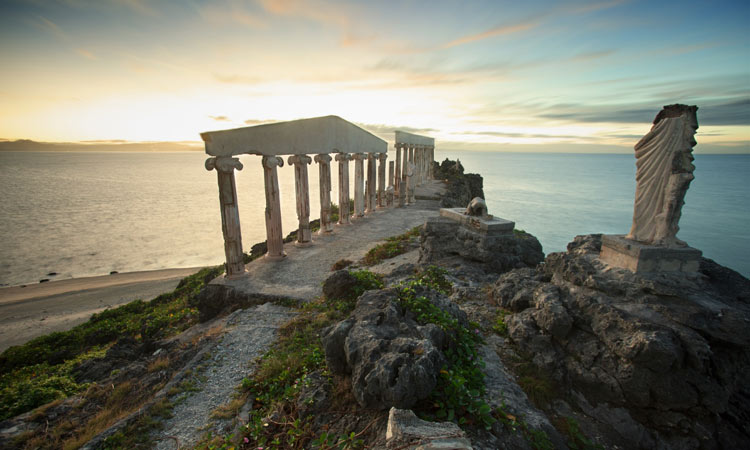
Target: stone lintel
[644, 258]
[316, 135]
[486, 225]
[402, 137]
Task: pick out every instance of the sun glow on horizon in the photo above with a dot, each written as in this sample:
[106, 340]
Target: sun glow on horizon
[480, 74]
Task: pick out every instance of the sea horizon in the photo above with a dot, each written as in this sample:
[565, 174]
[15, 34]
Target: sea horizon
[554, 196]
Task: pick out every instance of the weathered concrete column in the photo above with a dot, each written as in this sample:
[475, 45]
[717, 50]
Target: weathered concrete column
[324, 173]
[397, 180]
[404, 165]
[370, 192]
[274, 238]
[409, 175]
[230, 214]
[389, 191]
[343, 159]
[381, 180]
[430, 160]
[302, 191]
[359, 185]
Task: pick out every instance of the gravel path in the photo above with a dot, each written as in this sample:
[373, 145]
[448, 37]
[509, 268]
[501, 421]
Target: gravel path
[248, 334]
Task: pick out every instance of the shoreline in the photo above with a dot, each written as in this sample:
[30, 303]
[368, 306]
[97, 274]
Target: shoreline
[23, 292]
[40, 309]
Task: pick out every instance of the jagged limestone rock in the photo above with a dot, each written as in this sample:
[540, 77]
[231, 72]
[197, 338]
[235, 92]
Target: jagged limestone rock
[670, 351]
[393, 361]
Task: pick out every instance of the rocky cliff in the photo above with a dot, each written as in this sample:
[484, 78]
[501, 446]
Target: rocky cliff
[659, 361]
[462, 187]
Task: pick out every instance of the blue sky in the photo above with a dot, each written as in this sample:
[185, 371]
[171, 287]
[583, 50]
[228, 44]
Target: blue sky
[534, 75]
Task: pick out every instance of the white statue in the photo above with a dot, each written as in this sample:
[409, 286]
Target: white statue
[664, 172]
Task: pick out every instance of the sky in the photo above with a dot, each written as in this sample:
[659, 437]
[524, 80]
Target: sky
[495, 75]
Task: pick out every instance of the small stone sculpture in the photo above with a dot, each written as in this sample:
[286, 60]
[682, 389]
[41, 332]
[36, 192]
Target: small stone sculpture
[664, 172]
[477, 208]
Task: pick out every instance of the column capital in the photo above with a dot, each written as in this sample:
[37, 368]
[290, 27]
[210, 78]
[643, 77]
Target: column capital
[359, 156]
[382, 157]
[270, 162]
[299, 159]
[399, 145]
[223, 163]
[342, 157]
[323, 158]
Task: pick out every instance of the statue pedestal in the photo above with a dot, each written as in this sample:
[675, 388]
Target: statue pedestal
[642, 258]
[488, 225]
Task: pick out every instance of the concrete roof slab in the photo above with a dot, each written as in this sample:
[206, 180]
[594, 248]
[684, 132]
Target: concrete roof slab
[296, 137]
[402, 137]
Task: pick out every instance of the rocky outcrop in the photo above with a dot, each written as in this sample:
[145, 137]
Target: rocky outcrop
[462, 187]
[663, 360]
[393, 361]
[442, 238]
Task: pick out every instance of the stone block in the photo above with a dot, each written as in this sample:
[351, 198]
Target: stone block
[407, 431]
[643, 258]
[484, 225]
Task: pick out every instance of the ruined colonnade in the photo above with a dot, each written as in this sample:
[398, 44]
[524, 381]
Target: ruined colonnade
[320, 136]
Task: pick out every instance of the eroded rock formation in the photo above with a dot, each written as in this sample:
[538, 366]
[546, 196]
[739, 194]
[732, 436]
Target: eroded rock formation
[663, 360]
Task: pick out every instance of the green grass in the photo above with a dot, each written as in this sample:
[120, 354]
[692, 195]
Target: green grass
[393, 246]
[40, 371]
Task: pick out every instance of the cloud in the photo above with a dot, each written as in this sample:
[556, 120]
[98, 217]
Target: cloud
[86, 54]
[233, 12]
[52, 28]
[736, 112]
[503, 30]
[259, 121]
[220, 118]
[232, 78]
[382, 129]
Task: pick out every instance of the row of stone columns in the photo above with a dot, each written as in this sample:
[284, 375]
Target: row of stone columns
[413, 169]
[367, 197]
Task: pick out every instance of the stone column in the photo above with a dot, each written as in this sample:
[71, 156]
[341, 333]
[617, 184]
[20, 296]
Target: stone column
[417, 160]
[397, 180]
[430, 160]
[343, 159]
[371, 194]
[324, 172]
[274, 238]
[390, 190]
[302, 191]
[404, 165]
[230, 214]
[381, 180]
[409, 175]
[359, 185]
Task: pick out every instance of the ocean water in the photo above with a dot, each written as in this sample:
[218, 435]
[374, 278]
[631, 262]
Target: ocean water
[83, 214]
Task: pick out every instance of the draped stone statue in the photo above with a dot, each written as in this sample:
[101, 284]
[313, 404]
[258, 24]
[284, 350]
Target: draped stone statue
[664, 172]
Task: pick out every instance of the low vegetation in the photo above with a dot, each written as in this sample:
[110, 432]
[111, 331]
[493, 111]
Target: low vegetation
[393, 246]
[41, 370]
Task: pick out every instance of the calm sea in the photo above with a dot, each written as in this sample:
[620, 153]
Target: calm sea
[82, 214]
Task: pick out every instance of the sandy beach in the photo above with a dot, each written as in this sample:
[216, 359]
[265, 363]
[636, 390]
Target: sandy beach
[39, 309]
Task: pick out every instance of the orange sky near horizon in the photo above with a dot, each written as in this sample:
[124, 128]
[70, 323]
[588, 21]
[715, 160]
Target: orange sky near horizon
[484, 75]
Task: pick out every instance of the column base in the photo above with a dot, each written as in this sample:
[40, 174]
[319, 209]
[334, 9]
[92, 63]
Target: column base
[303, 244]
[638, 257]
[272, 258]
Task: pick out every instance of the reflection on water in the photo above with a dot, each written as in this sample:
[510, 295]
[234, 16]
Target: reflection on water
[82, 214]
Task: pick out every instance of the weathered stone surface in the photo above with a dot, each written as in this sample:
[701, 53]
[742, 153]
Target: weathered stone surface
[665, 170]
[665, 356]
[442, 237]
[461, 187]
[407, 431]
[339, 285]
[393, 361]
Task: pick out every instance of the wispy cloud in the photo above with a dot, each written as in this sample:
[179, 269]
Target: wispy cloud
[86, 54]
[735, 112]
[259, 121]
[502, 30]
[51, 27]
[220, 118]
